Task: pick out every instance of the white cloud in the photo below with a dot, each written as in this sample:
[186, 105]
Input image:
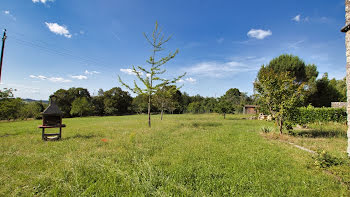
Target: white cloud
[259, 33]
[296, 18]
[42, 1]
[218, 70]
[81, 32]
[52, 79]
[8, 13]
[129, 71]
[38, 77]
[191, 80]
[91, 72]
[148, 75]
[80, 77]
[180, 81]
[58, 29]
[59, 80]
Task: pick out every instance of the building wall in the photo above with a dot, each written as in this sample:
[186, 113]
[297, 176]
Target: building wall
[338, 104]
[250, 110]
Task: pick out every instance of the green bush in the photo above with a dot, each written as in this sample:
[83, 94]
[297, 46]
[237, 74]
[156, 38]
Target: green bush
[305, 115]
[325, 160]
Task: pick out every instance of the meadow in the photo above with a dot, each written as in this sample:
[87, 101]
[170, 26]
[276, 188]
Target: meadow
[182, 155]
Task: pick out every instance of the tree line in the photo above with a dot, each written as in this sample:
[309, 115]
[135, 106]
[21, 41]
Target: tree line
[78, 102]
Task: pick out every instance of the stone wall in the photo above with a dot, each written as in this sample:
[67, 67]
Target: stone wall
[338, 104]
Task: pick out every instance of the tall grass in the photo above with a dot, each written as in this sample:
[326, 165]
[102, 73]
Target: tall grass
[183, 155]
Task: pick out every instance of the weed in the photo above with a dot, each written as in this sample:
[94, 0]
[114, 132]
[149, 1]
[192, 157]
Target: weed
[324, 160]
[266, 129]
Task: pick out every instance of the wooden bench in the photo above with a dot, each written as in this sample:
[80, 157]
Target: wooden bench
[48, 136]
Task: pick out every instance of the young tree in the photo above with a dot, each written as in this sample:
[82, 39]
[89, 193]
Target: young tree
[278, 93]
[152, 80]
[164, 98]
[225, 106]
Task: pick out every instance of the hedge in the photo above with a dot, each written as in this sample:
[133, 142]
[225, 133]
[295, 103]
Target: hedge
[311, 114]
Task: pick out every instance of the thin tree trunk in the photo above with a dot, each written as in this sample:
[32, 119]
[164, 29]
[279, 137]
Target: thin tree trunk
[281, 126]
[149, 110]
[161, 114]
[224, 115]
[347, 44]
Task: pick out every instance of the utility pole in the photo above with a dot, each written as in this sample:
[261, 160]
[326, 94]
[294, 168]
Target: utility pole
[2, 51]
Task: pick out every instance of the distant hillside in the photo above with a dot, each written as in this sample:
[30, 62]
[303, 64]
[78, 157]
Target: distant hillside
[31, 100]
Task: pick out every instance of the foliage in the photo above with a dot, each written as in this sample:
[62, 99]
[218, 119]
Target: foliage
[116, 101]
[98, 104]
[310, 114]
[225, 107]
[194, 107]
[324, 160]
[65, 98]
[152, 81]
[6, 93]
[279, 94]
[327, 91]
[167, 98]
[140, 104]
[81, 107]
[9, 107]
[32, 110]
[294, 66]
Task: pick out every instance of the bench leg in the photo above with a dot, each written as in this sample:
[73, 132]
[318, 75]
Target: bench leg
[59, 137]
[43, 134]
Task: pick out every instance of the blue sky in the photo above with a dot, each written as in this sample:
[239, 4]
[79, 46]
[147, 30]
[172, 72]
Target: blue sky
[55, 44]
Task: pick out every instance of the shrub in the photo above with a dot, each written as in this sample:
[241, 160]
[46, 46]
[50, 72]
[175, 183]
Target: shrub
[325, 160]
[305, 115]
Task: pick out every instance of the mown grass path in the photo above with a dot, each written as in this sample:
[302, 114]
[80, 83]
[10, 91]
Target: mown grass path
[183, 155]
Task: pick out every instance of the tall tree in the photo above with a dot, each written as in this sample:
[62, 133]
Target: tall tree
[347, 44]
[324, 93]
[65, 98]
[116, 101]
[152, 80]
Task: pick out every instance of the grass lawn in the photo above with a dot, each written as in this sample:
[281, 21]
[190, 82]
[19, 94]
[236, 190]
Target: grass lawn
[184, 155]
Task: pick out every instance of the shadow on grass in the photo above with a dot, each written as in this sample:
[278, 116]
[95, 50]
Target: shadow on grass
[317, 133]
[81, 136]
[205, 124]
[8, 135]
[242, 118]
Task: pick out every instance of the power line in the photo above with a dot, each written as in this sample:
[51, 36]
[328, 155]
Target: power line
[53, 51]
